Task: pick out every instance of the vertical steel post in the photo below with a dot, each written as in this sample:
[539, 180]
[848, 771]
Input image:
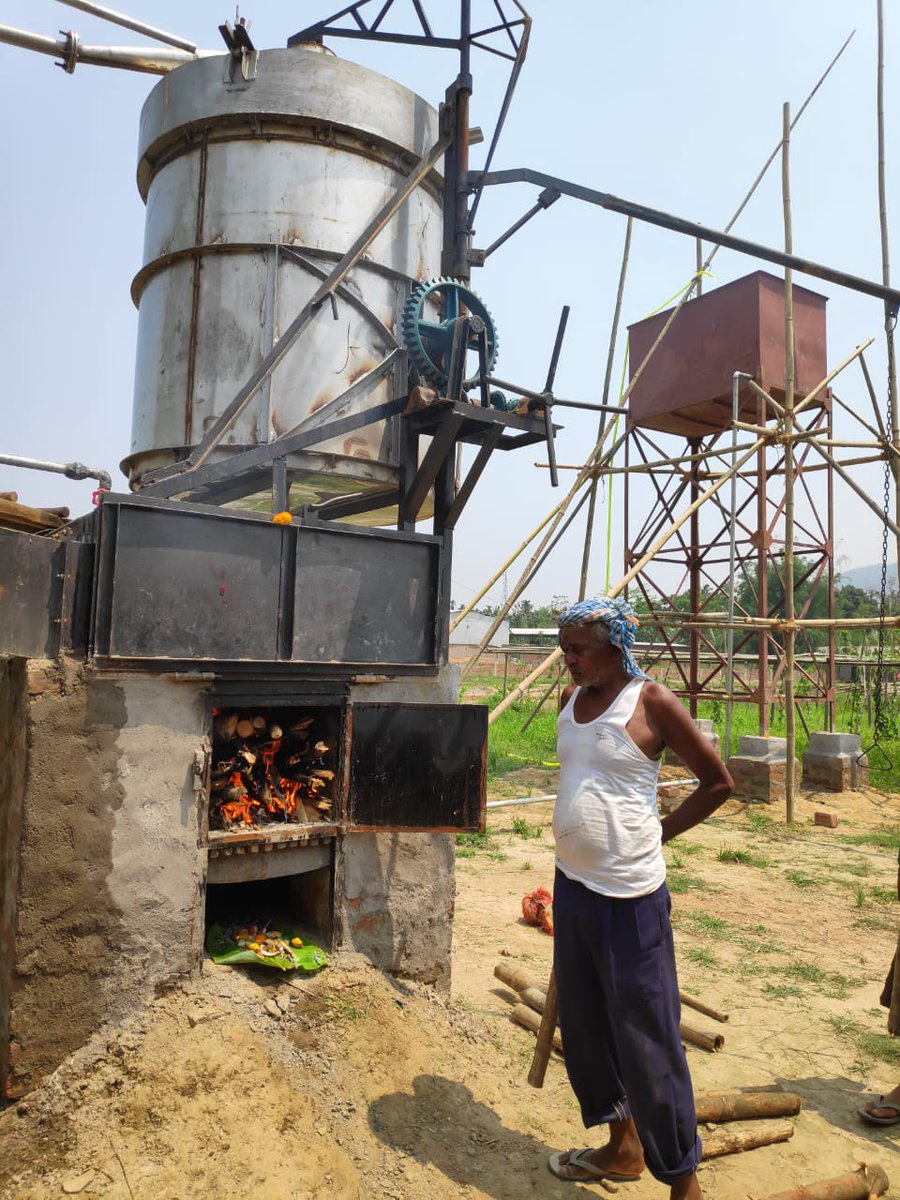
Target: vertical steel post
[694, 561]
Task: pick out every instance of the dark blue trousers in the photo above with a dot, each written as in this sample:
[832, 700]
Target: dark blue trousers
[619, 1013]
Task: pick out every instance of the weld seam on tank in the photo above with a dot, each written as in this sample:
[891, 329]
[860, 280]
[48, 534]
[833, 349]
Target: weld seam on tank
[149, 270]
[190, 139]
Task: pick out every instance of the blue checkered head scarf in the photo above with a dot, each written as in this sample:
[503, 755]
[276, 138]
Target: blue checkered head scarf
[619, 619]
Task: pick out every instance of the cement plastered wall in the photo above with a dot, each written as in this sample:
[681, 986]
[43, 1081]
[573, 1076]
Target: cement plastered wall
[110, 871]
[396, 891]
[12, 789]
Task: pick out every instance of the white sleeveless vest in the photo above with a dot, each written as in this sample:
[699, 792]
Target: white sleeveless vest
[605, 822]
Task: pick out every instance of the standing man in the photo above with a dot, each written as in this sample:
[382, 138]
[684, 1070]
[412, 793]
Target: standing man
[614, 960]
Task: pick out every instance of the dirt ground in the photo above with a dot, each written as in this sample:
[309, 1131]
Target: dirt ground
[349, 1084]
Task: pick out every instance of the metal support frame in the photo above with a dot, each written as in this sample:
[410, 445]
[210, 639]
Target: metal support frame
[654, 216]
[507, 38]
[708, 566]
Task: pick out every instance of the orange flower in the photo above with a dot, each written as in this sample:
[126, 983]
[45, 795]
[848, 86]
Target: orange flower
[282, 518]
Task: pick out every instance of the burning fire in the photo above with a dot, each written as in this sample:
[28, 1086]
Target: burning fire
[263, 774]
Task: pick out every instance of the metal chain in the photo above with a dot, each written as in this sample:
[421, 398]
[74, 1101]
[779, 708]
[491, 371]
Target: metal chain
[881, 725]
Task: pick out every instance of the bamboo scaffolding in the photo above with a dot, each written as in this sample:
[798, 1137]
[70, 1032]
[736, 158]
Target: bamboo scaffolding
[629, 575]
[890, 319]
[613, 337]
[595, 455]
[789, 631]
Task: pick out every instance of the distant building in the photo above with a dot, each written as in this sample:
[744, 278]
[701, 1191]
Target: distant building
[472, 629]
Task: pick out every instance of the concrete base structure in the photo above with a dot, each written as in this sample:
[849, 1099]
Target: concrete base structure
[834, 762]
[707, 729]
[760, 767]
[104, 867]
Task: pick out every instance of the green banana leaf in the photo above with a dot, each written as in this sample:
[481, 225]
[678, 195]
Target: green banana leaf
[222, 948]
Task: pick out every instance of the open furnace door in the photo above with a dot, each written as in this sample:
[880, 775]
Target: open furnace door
[417, 767]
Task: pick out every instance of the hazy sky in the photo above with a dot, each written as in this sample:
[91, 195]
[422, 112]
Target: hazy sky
[672, 104]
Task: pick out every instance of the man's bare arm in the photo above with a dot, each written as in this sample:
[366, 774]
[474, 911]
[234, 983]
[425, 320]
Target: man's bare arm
[672, 722]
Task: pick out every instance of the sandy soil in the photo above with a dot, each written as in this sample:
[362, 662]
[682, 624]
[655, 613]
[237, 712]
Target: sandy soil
[350, 1084]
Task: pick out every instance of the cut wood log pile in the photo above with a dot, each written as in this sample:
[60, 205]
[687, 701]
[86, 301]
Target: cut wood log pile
[714, 1109]
[533, 996]
[263, 772]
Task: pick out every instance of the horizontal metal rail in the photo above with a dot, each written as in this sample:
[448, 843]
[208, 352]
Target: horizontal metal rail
[654, 216]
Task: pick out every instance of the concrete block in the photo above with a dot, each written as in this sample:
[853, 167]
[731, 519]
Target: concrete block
[834, 762]
[707, 729]
[828, 819]
[769, 748]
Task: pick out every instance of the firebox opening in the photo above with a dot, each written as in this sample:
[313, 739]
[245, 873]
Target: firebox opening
[302, 902]
[273, 767]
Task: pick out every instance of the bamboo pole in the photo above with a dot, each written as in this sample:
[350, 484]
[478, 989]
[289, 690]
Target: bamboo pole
[613, 337]
[499, 574]
[543, 700]
[876, 434]
[789, 606]
[676, 460]
[675, 311]
[874, 399]
[648, 555]
[556, 518]
[693, 1002]
[890, 319]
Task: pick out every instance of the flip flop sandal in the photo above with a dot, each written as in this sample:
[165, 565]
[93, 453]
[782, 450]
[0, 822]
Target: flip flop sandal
[591, 1172]
[879, 1102]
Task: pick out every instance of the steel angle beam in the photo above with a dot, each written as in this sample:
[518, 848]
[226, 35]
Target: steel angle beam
[653, 216]
[442, 444]
[488, 446]
[183, 486]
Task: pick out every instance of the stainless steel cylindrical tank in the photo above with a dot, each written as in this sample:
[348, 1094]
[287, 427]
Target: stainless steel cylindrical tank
[250, 184]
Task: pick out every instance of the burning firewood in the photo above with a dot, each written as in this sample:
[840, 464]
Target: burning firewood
[225, 726]
[262, 775]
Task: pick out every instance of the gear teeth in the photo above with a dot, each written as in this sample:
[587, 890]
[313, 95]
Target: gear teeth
[410, 332]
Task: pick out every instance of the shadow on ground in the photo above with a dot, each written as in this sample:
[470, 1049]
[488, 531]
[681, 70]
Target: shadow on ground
[837, 1100]
[441, 1123]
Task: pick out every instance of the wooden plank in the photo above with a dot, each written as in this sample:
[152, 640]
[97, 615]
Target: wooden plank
[27, 519]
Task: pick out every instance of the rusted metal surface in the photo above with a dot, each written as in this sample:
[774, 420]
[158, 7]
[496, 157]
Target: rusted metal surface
[686, 386]
[300, 157]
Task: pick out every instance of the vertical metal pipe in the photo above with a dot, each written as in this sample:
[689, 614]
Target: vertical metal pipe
[694, 581]
[732, 564]
[762, 579]
[789, 606]
[831, 675]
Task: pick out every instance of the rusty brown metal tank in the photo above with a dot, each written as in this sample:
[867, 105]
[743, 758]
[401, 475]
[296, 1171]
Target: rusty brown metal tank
[685, 389]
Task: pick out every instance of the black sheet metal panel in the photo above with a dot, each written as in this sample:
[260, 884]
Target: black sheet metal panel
[31, 586]
[417, 766]
[365, 598]
[180, 584]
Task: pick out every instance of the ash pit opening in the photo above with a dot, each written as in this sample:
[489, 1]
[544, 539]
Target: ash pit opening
[299, 904]
[273, 767]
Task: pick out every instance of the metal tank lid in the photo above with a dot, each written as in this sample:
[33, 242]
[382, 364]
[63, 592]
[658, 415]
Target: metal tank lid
[298, 84]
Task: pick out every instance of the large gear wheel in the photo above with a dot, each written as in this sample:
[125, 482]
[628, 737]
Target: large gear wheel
[429, 342]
